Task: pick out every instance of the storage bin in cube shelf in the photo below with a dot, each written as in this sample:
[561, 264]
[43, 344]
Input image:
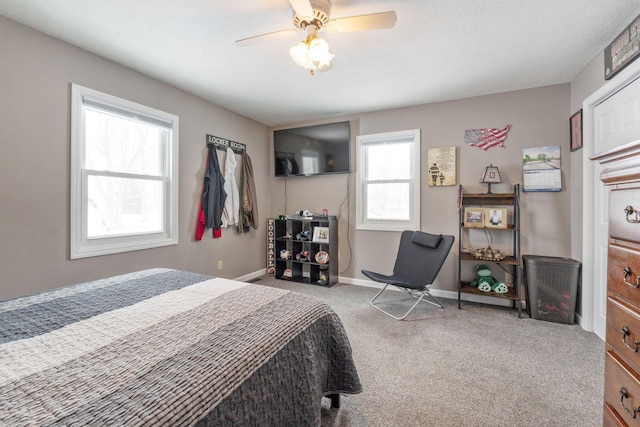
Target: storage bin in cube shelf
[552, 287]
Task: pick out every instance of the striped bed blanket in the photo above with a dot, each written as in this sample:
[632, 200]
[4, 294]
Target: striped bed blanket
[165, 347]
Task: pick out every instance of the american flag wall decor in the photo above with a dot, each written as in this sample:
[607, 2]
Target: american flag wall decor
[486, 138]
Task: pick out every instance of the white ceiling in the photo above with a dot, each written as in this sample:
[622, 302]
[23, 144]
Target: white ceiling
[439, 49]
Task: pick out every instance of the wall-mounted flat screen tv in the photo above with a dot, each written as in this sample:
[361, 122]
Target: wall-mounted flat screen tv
[312, 150]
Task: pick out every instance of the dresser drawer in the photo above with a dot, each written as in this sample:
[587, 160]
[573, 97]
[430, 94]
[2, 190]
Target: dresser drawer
[623, 317]
[612, 418]
[621, 224]
[620, 380]
[623, 273]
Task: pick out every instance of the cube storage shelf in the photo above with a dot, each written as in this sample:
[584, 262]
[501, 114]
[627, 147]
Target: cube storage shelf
[295, 235]
[510, 262]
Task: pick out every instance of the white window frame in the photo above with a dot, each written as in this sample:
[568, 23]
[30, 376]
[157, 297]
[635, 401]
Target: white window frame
[413, 223]
[80, 245]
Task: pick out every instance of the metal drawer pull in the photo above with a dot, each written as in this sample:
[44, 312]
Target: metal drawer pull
[624, 395]
[627, 273]
[625, 334]
[629, 211]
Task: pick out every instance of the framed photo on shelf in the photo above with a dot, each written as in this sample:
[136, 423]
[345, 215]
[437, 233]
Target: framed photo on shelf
[474, 217]
[495, 217]
[321, 234]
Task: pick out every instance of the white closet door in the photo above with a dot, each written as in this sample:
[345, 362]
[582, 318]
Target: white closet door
[616, 123]
[617, 119]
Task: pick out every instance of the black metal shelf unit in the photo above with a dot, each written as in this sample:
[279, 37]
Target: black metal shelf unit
[511, 262]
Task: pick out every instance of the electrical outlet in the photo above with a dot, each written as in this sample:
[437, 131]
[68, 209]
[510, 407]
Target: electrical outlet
[220, 264]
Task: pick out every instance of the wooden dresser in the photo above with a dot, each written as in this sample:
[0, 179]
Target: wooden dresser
[621, 173]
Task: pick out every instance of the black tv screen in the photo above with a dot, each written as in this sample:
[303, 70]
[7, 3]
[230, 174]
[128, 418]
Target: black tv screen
[312, 150]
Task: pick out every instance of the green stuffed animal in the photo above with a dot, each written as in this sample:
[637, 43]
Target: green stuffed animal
[486, 282]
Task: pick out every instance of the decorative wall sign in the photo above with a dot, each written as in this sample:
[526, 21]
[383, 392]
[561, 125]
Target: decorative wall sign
[575, 124]
[442, 166]
[541, 169]
[222, 144]
[271, 247]
[623, 50]
[486, 138]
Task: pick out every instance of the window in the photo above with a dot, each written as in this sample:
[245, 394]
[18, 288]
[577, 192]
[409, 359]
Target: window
[124, 191]
[388, 181]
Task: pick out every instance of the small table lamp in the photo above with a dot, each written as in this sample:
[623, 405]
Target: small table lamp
[490, 176]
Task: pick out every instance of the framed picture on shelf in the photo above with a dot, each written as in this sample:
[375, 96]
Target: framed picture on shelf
[321, 234]
[474, 217]
[322, 257]
[495, 217]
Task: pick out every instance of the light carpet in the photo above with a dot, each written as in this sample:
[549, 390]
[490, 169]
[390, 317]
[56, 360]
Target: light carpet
[478, 366]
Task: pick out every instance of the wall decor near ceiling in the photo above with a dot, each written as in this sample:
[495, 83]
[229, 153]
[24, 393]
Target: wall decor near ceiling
[486, 138]
[623, 50]
[442, 166]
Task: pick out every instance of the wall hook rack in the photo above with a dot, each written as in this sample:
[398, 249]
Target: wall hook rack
[223, 144]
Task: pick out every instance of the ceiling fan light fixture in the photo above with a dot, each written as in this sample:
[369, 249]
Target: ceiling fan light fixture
[312, 53]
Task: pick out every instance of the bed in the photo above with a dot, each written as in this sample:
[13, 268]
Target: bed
[169, 347]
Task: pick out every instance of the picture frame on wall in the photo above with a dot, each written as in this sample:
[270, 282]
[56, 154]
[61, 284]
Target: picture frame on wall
[495, 217]
[442, 169]
[575, 125]
[321, 234]
[474, 217]
[622, 50]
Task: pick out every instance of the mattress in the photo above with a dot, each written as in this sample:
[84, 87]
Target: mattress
[169, 347]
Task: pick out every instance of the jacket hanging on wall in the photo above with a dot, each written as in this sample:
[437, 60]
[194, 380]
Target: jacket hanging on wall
[232, 204]
[249, 208]
[213, 197]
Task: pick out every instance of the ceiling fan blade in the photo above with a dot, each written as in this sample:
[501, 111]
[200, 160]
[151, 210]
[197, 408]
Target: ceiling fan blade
[266, 37]
[302, 8]
[373, 21]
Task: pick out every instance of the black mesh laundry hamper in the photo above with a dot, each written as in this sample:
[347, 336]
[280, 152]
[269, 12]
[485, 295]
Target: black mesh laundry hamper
[552, 287]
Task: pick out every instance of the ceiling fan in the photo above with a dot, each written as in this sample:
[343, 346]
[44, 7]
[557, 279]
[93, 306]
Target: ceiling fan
[312, 16]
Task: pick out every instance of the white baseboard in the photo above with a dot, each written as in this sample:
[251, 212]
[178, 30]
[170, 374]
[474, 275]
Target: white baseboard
[439, 293]
[254, 275]
[371, 284]
[436, 292]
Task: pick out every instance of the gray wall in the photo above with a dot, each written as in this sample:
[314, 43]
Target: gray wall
[36, 72]
[36, 75]
[590, 79]
[539, 117]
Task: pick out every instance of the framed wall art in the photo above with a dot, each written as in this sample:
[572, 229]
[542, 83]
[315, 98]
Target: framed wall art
[442, 166]
[623, 50]
[474, 217]
[575, 123]
[495, 217]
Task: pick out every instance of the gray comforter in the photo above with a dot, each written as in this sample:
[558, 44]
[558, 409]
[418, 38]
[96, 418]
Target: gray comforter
[167, 347]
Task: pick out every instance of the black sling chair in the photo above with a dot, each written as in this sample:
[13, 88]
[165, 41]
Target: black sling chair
[420, 257]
